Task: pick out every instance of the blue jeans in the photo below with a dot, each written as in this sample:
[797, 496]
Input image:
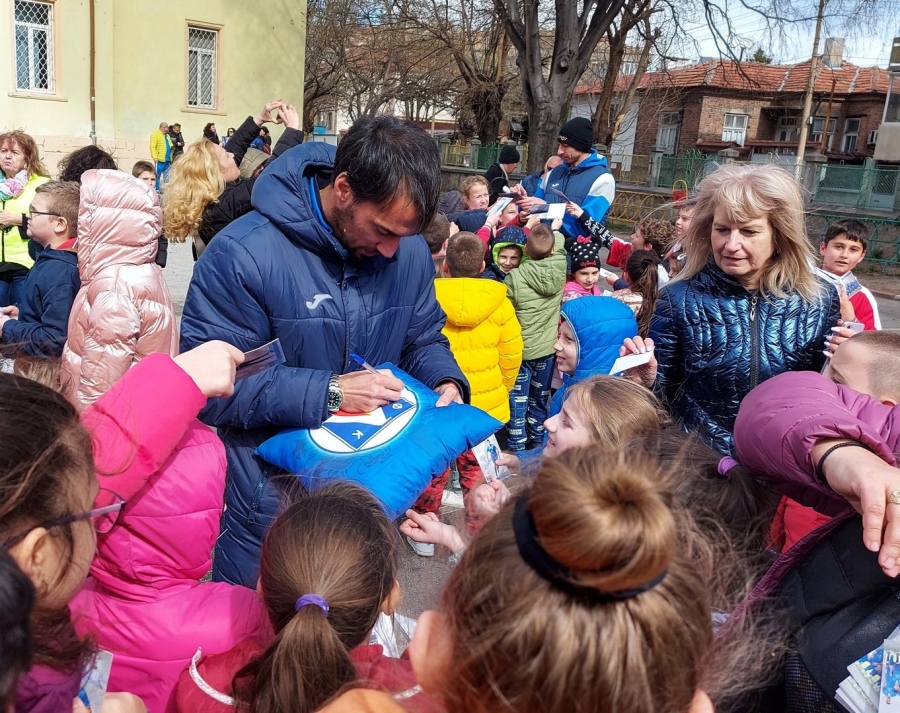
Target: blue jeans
[12, 285]
[528, 403]
[162, 169]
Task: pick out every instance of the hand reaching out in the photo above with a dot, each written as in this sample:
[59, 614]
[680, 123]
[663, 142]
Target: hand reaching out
[289, 116]
[429, 529]
[212, 366]
[574, 209]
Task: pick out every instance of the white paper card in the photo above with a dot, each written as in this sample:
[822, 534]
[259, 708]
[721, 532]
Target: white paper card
[556, 211]
[630, 361]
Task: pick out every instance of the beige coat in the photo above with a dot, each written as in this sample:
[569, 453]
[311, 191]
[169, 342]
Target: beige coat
[123, 311]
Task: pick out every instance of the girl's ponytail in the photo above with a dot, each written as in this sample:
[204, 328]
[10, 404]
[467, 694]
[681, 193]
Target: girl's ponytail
[304, 667]
[327, 565]
[643, 274]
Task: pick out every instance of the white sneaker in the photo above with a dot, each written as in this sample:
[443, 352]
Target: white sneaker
[422, 549]
[452, 499]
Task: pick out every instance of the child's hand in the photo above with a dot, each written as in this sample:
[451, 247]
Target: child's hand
[10, 311]
[611, 280]
[493, 219]
[574, 209]
[848, 314]
[212, 366]
[115, 703]
[646, 373]
[429, 529]
[454, 229]
[533, 221]
[489, 498]
[510, 461]
[556, 224]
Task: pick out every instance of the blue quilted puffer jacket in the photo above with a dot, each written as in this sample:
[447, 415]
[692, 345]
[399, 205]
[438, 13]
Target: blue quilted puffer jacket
[715, 341]
[279, 272]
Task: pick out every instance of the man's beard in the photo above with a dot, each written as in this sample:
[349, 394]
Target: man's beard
[341, 222]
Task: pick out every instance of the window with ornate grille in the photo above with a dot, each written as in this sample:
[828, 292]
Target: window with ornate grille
[202, 55]
[33, 27]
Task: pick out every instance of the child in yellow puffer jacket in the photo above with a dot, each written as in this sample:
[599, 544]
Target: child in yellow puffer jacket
[486, 340]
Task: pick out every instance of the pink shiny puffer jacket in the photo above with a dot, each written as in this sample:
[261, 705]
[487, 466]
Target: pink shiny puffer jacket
[123, 311]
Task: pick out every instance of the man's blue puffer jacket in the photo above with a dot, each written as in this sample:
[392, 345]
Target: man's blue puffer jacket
[279, 272]
[715, 341]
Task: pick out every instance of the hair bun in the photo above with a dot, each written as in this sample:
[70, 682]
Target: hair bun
[607, 518]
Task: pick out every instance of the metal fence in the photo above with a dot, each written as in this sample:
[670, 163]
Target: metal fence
[884, 234]
[857, 186]
[476, 155]
[690, 168]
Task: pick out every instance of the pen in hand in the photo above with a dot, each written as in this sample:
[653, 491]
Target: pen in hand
[364, 364]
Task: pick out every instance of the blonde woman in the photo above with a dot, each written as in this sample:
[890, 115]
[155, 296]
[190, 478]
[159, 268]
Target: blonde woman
[204, 191]
[745, 307]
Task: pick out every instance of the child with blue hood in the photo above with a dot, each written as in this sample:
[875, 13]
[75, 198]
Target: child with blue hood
[591, 330]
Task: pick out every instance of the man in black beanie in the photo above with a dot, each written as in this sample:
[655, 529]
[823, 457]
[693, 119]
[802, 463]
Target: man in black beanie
[506, 163]
[583, 177]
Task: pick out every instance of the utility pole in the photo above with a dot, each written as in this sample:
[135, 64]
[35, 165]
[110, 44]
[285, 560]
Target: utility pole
[810, 85]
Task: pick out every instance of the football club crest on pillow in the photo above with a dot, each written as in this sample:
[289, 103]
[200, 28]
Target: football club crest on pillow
[393, 451]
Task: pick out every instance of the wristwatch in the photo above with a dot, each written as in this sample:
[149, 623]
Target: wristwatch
[335, 395]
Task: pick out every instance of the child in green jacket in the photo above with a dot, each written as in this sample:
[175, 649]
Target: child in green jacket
[535, 289]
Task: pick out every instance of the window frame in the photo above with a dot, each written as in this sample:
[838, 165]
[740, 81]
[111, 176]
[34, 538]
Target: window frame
[737, 131]
[849, 134]
[218, 105]
[815, 137]
[52, 92]
[664, 123]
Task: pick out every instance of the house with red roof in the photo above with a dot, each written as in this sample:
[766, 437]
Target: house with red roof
[755, 109]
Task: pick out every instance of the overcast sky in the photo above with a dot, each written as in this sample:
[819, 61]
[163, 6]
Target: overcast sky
[865, 49]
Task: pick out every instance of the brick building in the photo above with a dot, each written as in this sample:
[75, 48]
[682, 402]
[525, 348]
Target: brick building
[756, 108]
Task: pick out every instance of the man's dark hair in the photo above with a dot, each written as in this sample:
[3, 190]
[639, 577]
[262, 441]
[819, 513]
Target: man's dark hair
[853, 229]
[465, 255]
[84, 159]
[386, 159]
[436, 233]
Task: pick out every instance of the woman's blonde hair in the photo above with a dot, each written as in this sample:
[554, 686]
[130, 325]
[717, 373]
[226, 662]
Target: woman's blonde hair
[195, 180]
[521, 643]
[637, 411]
[745, 193]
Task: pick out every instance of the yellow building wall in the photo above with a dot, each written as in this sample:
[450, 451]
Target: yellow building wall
[141, 71]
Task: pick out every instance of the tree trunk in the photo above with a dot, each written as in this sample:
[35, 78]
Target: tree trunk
[543, 130]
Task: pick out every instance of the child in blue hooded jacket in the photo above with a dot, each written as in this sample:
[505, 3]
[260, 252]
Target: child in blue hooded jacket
[591, 330]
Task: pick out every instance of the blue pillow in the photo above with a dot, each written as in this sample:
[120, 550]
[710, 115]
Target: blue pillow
[393, 452]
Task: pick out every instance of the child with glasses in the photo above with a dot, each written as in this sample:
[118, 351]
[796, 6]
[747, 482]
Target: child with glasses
[39, 324]
[137, 459]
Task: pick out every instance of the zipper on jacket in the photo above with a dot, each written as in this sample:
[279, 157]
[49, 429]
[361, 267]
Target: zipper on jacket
[754, 342]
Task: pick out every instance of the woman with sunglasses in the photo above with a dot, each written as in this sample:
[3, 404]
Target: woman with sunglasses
[113, 517]
[21, 172]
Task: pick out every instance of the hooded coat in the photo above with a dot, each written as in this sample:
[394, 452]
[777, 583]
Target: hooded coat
[144, 601]
[485, 338]
[589, 185]
[535, 288]
[279, 272]
[123, 311]
[600, 325]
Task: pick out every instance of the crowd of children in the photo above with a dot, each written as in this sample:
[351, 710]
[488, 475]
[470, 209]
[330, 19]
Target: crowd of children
[637, 570]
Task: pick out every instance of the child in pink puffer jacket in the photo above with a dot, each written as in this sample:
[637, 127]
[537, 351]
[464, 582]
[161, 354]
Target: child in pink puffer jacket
[144, 601]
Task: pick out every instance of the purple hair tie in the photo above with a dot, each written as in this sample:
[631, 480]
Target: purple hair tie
[726, 464]
[313, 599]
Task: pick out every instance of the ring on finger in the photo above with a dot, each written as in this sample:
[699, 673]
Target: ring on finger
[894, 497]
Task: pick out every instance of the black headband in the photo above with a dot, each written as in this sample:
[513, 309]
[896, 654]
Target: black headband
[538, 559]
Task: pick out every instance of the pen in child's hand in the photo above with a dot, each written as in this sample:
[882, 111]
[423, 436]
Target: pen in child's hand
[364, 364]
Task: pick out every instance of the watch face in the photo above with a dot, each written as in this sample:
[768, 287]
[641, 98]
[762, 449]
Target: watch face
[335, 397]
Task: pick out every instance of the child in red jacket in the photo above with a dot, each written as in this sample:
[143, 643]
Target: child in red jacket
[328, 569]
[843, 248]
